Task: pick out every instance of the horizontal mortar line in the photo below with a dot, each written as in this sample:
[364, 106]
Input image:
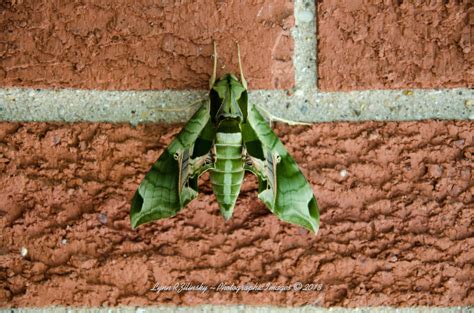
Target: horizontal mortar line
[242, 308]
[171, 106]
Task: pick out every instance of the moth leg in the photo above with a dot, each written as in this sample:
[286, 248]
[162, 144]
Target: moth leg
[255, 163]
[242, 78]
[184, 162]
[189, 171]
[244, 153]
[201, 164]
[214, 68]
[256, 167]
[214, 153]
[202, 170]
[189, 167]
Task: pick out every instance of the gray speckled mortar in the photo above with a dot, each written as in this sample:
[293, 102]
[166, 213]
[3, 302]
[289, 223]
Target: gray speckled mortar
[177, 106]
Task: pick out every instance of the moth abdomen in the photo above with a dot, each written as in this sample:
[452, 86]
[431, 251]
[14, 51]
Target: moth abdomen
[228, 171]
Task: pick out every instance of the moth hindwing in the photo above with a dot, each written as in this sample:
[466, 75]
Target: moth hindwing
[226, 136]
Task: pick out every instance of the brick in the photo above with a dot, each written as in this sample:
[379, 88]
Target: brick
[395, 44]
[396, 220]
[124, 45]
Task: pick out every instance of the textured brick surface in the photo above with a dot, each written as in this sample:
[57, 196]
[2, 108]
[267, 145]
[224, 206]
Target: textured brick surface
[395, 44]
[396, 230]
[142, 44]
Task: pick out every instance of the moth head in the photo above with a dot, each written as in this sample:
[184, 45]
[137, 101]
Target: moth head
[228, 95]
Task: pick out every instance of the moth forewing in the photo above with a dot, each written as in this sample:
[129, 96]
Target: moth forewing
[162, 192]
[289, 195]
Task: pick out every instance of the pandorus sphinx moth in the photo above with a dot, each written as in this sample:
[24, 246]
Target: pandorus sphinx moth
[226, 136]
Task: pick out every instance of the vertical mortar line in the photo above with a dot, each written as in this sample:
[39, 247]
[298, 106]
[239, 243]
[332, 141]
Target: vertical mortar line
[304, 36]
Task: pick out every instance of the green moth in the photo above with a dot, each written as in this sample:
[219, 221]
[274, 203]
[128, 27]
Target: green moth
[226, 136]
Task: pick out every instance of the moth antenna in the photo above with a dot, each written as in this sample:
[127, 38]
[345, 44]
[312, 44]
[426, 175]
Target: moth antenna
[189, 106]
[242, 78]
[272, 118]
[214, 68]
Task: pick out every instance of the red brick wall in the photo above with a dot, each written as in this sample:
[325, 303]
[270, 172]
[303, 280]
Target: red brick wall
[397, 230]
[395, 44]
[142, 45]
[126, 45]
